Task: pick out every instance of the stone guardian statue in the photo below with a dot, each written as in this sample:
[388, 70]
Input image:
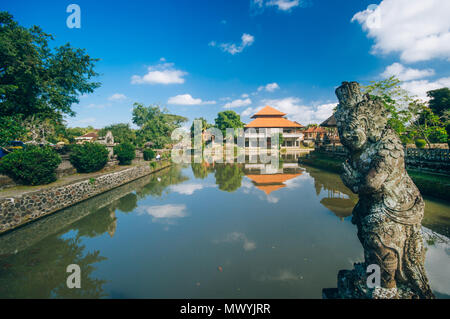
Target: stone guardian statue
[390, 208]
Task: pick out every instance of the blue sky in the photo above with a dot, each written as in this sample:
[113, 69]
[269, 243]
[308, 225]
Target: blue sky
[198, 58]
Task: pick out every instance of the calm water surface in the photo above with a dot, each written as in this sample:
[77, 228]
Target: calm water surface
[205, 231]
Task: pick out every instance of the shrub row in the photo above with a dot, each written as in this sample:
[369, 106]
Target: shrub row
[32, 165]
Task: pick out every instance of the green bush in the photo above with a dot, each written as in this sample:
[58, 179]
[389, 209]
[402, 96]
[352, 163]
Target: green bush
[149, 154]
[89, 157]
[420, 143]
[153, 164]
[125, 153]
[32, 165]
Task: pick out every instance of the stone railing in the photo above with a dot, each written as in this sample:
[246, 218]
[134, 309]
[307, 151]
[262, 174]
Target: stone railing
[435, 159]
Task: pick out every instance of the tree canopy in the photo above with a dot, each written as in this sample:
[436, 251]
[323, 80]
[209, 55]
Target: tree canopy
[228, 119]
[35, 79]
[410, 117]
[122, 133]
[155, 124]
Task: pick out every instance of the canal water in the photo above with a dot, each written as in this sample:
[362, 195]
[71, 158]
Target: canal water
[205, 231]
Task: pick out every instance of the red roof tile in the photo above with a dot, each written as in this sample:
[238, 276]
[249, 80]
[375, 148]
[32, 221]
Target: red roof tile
[268, 111]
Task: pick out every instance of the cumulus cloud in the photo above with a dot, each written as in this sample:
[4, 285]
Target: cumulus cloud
[282, 5]
[232, 48]
[117, 97]
[164, 213]
[238, 237]
[163, 73]
[418, 30]
[406, 74]
[269, 87]
[238, 103]
[188, 188]
[298, 112]
[187, 99]
[420, 88]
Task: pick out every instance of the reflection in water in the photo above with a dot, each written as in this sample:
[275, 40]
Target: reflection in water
[339, 199]
[267, 229]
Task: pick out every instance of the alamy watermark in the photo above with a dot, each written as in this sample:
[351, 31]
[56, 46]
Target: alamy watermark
[209, 145]
[74, 279]
[74, 19]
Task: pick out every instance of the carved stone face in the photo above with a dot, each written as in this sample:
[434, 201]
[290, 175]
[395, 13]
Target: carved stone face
[353, 134]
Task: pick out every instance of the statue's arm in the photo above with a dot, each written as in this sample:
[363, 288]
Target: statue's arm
[374, 180]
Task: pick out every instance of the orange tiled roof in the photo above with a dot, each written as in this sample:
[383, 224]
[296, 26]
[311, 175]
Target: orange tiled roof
[268, 110]
[270, 188]
[272, 122]
[90, 134]
[315, 130]
[271, 178]
[271, 182]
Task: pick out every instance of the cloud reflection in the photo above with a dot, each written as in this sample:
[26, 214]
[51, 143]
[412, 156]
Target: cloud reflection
[238, 237]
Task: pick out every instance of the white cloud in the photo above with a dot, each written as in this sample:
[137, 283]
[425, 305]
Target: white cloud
[163, 73]
[238, 237]
[186, 189]
[245, 95]
[416, 29]
[302, 114]
[117, 97]
[282, 5]
[164, 212]
[419, 88]
[406, 74]
[187, 99]
[269, 87]
[250, 111]
[232, 48]
[238, 103]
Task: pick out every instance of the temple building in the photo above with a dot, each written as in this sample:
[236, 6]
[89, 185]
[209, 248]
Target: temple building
[269, 121]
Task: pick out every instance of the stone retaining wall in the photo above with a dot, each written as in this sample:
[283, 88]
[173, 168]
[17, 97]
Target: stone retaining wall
[21, 209]
[433, 160]
[26, 236]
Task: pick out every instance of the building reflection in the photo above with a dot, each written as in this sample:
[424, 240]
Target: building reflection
[338, 198]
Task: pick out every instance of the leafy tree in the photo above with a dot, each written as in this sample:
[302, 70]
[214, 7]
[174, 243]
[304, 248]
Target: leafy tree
[11, 129]
[34, 79]
[155, 125]
[439, 101]
[122, 133]
[228, 119]
[408, 116]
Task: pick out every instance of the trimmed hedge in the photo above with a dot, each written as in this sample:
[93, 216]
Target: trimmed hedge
[89, 157]
[149, 154]
[32, 165]
[420, 143]
[125, 153]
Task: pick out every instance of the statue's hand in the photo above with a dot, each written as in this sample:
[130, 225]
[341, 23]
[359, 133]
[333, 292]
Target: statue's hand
[350, 177]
